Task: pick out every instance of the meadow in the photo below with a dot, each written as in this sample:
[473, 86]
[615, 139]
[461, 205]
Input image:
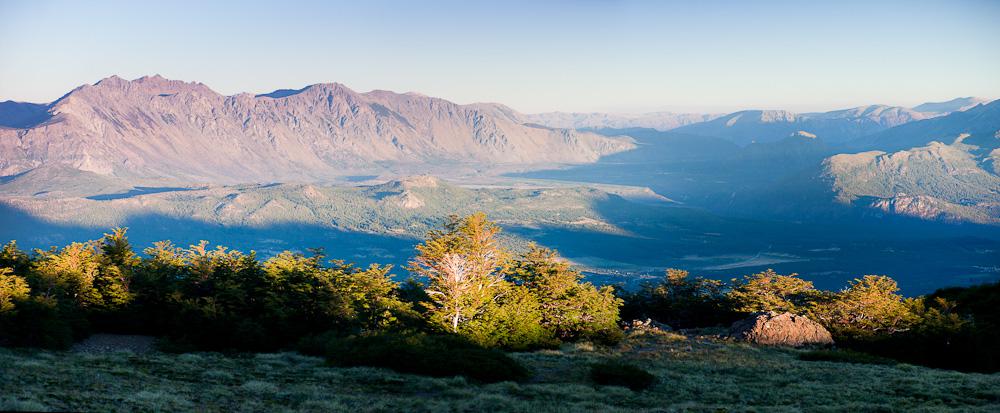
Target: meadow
[694, 373]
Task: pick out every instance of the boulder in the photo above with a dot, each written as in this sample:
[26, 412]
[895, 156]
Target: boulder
[646, 326]
[784, 329]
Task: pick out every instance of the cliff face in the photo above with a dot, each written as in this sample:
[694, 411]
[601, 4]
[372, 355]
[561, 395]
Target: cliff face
[157, 128]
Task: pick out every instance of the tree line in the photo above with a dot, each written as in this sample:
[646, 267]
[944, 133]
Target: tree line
[468, 293]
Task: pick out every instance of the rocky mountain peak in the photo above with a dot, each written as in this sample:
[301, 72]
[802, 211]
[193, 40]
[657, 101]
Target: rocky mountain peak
[157, 127]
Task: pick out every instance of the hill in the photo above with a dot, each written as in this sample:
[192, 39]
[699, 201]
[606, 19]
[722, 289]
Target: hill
[407, 206]
[153, 127]
[937, 181]
[942, 168]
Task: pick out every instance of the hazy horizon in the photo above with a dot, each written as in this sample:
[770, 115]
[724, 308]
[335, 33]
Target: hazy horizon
[619, 57]
[612, 112]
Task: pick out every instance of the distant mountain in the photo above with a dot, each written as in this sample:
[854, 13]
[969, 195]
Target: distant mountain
[661, 121]
[749, 126]
[942, 168]
[152, 128]
[981, 122]
[954, 105]
[833, 127]
[937, 181]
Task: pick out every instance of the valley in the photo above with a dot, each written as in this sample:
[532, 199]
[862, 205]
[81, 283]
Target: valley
[366, 175]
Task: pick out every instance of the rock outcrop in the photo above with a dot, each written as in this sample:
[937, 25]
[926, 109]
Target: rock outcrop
[784, 329]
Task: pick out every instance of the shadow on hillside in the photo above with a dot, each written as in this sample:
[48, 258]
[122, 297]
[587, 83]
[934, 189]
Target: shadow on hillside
[921, 256]
[22, 114]
[357, 247]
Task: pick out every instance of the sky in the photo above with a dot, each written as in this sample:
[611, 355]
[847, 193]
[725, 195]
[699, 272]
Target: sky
[535, 56]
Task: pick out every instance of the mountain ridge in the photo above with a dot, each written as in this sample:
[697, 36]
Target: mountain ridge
[153, 127]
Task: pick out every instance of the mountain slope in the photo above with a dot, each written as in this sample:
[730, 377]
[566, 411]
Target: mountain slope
[157, 128]
[937, 181]
[661, 121]
[954, 105]
[980, 122]
[750, 126]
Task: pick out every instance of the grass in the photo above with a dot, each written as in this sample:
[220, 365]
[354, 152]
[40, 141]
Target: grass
[693, 374]
[621, 374]
[844, 356]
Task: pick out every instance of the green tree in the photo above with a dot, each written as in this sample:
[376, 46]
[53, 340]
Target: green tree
[464, 267]
[870, 306]
[67, 274]
[81, 274]
[12, 290]
[770, 291]
[117, 250]
[303, 294]
[513, 322]
[372, 295]
[12, 257]
[570, 307]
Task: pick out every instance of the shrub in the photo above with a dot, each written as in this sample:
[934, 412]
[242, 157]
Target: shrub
[417, 353]
[617, 373]
[37, 322]
[869, 307]
[571, 308]
[12, 257]
[770, 291]
[12, 288]
[681, 302]
[513, 322]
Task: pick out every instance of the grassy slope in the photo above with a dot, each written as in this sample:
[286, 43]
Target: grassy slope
[694, 374]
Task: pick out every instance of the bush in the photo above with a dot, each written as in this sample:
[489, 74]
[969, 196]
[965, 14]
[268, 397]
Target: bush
[770, 291]
[37, 322]
[681, 301]
[970, 349]
[513, 323]
[417, 353]
[616, 373]
[844, 356]
[869, 307]
[571, 308]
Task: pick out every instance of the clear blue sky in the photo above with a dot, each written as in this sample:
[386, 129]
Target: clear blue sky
[534, 56]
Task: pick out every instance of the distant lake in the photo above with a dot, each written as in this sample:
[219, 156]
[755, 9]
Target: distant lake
[360, 178]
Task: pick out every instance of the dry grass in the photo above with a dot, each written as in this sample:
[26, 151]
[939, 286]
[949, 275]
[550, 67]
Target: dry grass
[693, 375]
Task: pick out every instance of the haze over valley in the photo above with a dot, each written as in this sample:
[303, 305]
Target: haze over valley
[909, 192]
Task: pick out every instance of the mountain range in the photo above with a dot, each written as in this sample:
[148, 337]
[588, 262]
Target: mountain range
[762, 125]
[152, 127]
[937, 160]
[822, 193]
[834, 127]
